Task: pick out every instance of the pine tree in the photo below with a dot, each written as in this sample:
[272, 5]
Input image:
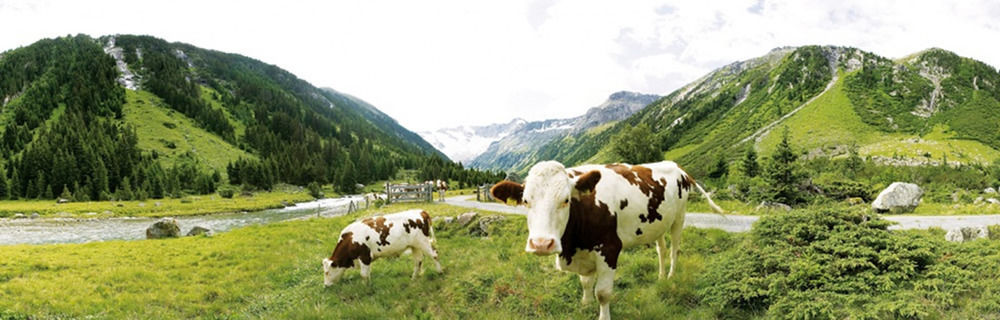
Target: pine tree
[749, 166]
[720, 169]
[4, 188]
[65, 193]
[782, 173]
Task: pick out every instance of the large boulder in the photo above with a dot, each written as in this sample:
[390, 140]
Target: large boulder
[164, 228]
[967, 234]
[899, 197]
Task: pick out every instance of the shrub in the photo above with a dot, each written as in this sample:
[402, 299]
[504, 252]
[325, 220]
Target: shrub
[841, 264]
[315, 190]
[227, 193]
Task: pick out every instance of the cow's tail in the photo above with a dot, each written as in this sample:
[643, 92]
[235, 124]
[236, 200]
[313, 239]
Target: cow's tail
[708, 198]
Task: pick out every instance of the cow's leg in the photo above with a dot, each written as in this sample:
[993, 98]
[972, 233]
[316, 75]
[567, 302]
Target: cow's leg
[605, 283]
[418, 261]
[675, 242]
[428, 249]
[587, 282]
[661, 255]
[366, 270]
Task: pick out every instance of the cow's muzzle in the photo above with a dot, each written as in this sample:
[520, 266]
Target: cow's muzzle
[542, 246]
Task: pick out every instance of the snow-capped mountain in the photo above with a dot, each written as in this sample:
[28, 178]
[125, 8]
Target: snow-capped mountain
[520, 147]
[464, 143]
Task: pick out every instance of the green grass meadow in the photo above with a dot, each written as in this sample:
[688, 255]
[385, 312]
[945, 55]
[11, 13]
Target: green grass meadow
[188, 205]
[273, 271]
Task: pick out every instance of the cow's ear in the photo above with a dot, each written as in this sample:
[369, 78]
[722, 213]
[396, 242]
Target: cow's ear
[507, 190]
[588, 181]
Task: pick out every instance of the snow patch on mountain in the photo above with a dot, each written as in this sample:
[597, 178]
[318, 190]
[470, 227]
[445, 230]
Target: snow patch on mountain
[464, 143]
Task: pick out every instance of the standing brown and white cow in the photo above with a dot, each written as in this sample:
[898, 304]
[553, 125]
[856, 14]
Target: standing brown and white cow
[589, 214]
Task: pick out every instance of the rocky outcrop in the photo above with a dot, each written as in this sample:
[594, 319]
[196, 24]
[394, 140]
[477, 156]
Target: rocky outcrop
[899, 197]
[164, 228]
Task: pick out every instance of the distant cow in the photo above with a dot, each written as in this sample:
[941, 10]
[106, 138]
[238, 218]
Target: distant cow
[390, 235]
[589, 214]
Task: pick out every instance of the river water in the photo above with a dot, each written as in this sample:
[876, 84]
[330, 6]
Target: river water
[80, 230]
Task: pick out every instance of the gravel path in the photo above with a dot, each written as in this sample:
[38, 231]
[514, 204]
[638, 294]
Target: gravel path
[740, 223]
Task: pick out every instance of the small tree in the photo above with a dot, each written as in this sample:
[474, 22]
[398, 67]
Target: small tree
[315, 190]
[636, 145]
[749, 166]
[720, 169]
[782, 173]
[66, 194]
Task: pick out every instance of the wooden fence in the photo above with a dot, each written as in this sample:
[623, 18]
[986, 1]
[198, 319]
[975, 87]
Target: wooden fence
[483, 193]
[409, 192]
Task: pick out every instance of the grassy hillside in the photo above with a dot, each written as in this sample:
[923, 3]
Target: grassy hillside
[171, 134]
[924, 108]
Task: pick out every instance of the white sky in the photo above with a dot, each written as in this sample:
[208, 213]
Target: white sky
[434, 64]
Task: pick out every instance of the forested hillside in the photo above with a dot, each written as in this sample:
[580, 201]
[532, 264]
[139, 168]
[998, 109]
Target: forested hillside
[931, 107]
[122, 117]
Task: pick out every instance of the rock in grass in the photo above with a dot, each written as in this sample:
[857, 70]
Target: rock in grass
[899, 197]
[769, 206]
[164, 228]
[35, 215]
[465, 218]
[19, 216]
[965, 234]
[483, 228]
[197, 230]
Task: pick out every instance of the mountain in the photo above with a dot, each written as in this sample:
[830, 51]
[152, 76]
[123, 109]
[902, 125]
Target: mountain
[129, 116]
[521, 147]
[464, 143]
[379, 119]
[928, 107]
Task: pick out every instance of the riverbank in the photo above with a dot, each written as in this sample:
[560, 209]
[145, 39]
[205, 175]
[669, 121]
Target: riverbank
[186, 206]
[83, 230]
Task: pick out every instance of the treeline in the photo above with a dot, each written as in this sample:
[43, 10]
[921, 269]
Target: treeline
[434, 168]
[786, 177]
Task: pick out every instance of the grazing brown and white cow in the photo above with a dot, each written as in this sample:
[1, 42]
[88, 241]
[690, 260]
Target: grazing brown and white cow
[371, 238]
[589, 214]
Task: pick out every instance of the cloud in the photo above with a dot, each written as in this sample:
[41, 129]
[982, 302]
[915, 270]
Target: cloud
[434, 64]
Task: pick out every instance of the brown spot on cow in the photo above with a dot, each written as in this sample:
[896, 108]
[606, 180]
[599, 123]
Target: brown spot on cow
[591, 226]
[378, 224]
[347, 251]
[424, 224]
[684, 183]
[642, 177]
[623, 204]
[638, 231]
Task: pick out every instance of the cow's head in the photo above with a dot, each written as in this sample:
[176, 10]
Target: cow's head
[330, 272]
[546, 193]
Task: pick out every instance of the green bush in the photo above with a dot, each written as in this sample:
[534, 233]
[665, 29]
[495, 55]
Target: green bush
[227, 193]
[315, 190]
[847, 265]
